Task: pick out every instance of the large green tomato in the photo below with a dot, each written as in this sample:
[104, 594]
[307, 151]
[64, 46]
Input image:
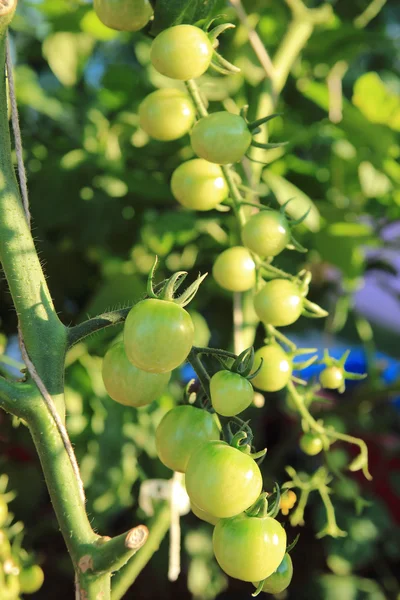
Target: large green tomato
[222, 480]
[230, 393]
[278, 303]
[166, 114]
[204, 516]
[31, 579]
[267, 233]
[235, 270]
[280, 579]
[249, 548]
[124, 15]
[180, 432]
[199, 185]
[276, 369]
[181, 52]
[221, 138]
[127, 384]
[158, 335]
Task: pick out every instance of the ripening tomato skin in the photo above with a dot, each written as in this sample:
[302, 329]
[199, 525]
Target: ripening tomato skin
[166, 114]
[249, 548]
[199, 185]
[331, 378]
[181, 52]
[267, 233]
[180, 432]
[280, 579]
[278, 303]
[204, 516]
[311, 444]
[230, 393]
[235, 270]
[127, 384]
[222, 138]
[222, 480]
[31, 579]
[124, 15]
[158, 335]
[276, 369]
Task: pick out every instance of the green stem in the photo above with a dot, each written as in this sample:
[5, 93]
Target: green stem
[43, 333]
[200, 371]
[158, 528]
[197, 99]
[83, 330]
[110, 555]
[88, 587]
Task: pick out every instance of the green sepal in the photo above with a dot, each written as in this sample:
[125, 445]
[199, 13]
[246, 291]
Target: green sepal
[216, 31]
[259, 589]
[255, 124]
[268, 146]
[223, 66]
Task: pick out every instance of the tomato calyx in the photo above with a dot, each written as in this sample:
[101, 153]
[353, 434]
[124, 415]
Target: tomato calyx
[266, 505]
[242, 441]
[243, 364]
[171, 285]
[218, 62]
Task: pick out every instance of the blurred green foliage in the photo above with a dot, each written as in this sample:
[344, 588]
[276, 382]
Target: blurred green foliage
[102, 208]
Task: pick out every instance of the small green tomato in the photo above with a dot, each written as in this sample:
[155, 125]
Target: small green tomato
[280, 579]
[166, 114]
[311, 444]
[235, 270]
[276, 369]
[230, 393]
[332, 378]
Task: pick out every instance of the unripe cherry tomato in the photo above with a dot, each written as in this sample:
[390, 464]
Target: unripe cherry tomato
[280, 579]
[267, 233]
[204, 516]
[249, 548]
[278, 303]
[31, 579]
[222, 480]
[166, 114]
[158, 335]
[221, 138]
[230, 393]
[276, 369]
[181, 52]
[235, 270]
[180, 432]
[127, 384]
[331, 378]
[124, 15]
[311, 444]
[199, 185]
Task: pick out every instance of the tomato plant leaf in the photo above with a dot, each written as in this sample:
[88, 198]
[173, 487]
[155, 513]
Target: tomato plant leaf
[168, 13]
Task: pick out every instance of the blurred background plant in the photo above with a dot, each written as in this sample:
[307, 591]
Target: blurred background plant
[102, 207]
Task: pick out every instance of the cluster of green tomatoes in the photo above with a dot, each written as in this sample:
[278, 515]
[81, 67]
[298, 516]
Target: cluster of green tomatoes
[222, 476]
[18, 573]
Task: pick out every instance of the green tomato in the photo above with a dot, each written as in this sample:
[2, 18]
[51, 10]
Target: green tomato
[127, 384]
[166, 114]
[278, 303]
[230, 393]
[158, 335]
[221, 138]
[222, 480]
[267, 233]
[3, 511]
[180, 432]
[124, 15]
[181, 52]
[280, 579]
[235, 270]
[31, 579]
[311, 444]
[332, 378]
[199, 185]
[276, 369]
[249, 548]
[204, 516]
